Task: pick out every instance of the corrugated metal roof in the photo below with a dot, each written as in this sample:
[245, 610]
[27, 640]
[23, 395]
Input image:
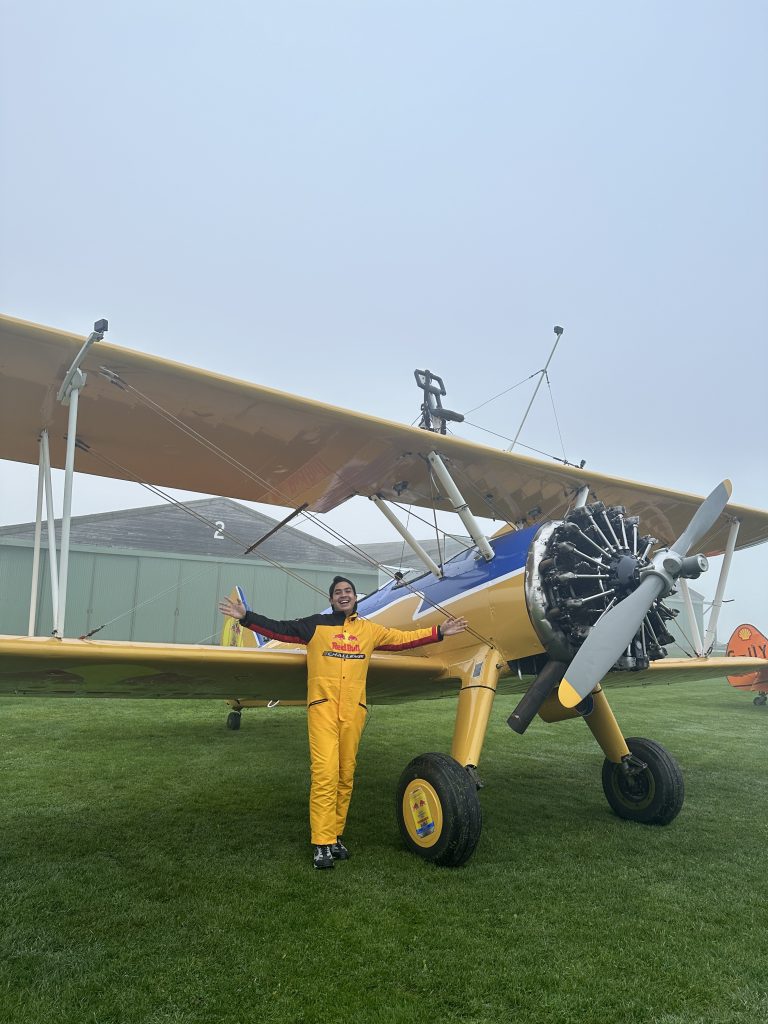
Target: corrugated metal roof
[224, 529]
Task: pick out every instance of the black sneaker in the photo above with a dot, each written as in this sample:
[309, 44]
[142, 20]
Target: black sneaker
[339, 850]
[322, 857]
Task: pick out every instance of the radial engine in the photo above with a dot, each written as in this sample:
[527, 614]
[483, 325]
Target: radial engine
[580, 567]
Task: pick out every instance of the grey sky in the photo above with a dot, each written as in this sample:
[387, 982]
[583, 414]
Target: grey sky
[321, 197]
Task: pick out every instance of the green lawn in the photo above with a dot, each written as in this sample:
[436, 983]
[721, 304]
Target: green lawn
[155, 868]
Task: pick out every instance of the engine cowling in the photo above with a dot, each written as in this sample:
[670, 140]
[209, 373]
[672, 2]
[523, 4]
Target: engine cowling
[581, 566]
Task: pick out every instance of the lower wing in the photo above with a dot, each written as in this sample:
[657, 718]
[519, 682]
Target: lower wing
[672, 670]
[47, 667]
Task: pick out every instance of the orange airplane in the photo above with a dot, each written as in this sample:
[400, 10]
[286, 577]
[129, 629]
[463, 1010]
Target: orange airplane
[748, 642]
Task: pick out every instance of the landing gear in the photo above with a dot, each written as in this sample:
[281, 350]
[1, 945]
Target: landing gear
[233, 719]
[438, 810]
[760, 700]
[647, 786]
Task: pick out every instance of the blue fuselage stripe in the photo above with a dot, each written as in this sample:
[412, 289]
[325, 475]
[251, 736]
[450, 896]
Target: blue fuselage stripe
[463, 573]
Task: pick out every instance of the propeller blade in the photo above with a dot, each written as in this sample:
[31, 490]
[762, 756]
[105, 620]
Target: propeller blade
[704, 518]
[606, 641]
[615, 630]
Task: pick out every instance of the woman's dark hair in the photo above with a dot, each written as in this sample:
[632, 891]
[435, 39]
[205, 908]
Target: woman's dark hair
[341, 579]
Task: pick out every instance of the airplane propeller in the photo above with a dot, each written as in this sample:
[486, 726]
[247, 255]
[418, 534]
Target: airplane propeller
[615, 630]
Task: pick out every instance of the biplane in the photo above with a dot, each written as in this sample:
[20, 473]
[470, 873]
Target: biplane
[747, 641]
[565, 597]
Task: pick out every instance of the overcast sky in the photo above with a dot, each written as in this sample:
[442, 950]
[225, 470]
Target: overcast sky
[321, 197]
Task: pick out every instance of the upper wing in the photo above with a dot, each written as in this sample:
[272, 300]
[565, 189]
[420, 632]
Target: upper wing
[44, 666]
[166, 423]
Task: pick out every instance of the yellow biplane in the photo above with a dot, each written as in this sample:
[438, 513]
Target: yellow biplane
[568, 595]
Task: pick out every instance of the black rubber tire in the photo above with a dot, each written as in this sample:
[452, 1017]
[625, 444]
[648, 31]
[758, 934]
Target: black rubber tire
[653, 796]
[760, 700]
[233, 720]
[460, 805]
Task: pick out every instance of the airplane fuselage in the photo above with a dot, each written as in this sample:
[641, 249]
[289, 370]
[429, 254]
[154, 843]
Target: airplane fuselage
[490, 594]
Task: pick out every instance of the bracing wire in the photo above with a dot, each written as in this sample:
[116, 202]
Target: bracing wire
[174, 421]
[484, 497]
[201, 518]
[236, 464]
[426, 522]
[519, 444]
[150, 600]
[688, 641]
[500, 394]
[402, 549]
[554, 410]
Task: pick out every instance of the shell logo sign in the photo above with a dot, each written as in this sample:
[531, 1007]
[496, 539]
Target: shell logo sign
[745, 634]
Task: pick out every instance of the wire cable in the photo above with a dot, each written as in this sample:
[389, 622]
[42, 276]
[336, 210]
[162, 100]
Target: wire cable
[519, 444]
[201, 518]
[372, 561]
[554, 410]
[500, 394]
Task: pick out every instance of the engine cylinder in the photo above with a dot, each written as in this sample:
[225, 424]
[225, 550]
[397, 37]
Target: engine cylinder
[581, 567]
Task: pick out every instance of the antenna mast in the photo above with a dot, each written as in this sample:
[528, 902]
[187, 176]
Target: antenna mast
[542, 375]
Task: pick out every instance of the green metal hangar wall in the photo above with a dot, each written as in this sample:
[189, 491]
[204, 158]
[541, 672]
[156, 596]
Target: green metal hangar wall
[157, 573]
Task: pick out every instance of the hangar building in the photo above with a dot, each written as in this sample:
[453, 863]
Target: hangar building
[157, 573]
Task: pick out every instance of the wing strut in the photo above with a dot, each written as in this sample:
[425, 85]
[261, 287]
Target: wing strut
[68, 394]
[730, 545]
[43, 484]
[407, 536]
[692, 623]
[460, 506]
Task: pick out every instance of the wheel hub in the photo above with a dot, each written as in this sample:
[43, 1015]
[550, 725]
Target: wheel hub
[635, 788]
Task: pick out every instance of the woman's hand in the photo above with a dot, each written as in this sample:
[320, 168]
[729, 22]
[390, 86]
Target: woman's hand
[235, 609]
[451, 626]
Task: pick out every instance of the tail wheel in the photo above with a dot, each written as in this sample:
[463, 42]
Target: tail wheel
[438, 810]
[654, 794]
[760, 700]
[233, 720]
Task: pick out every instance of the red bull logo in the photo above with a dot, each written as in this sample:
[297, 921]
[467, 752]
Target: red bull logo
[345, 643]
[349, 648]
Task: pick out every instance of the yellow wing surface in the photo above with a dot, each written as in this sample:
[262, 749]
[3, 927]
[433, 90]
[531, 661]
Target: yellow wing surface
[677, 670]
[174, 425]
[45, 666]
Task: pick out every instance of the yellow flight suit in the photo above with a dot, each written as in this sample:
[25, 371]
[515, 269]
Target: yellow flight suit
[339, 651]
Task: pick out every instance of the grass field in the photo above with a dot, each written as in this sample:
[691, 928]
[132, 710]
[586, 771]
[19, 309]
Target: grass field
[155, 868]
